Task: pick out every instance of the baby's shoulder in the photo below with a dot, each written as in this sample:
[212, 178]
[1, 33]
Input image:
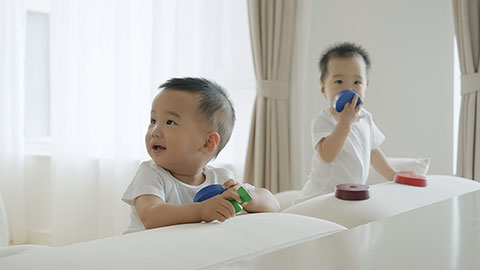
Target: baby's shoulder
[323, 120]
[148, 169]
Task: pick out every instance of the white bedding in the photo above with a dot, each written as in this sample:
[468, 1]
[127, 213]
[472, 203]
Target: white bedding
[189, 246]
[386, 199]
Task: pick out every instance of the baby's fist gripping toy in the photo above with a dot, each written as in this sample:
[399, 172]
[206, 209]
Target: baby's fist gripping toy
[343, 98]
[216, 189]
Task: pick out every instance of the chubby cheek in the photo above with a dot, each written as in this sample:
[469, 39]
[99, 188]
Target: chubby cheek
[331, 97]
[364, 92]
[361, 93]
[147, 141]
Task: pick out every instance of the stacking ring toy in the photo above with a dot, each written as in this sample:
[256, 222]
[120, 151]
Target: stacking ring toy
[216, 189]
[343, 98]
[411, 179]
[352, 192]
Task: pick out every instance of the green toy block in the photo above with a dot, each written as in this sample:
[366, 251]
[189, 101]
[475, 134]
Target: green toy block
[244, 197]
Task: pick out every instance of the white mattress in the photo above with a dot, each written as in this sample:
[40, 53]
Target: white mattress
[189, 246]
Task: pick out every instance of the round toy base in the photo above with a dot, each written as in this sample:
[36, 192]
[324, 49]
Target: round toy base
[352, 192]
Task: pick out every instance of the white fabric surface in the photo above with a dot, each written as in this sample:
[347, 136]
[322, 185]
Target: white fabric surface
[100, 93]
[155, 180]
[12, 86]
[386, 199]
[418, 165]
[352, 163]
[14, 250]
[189, 246]
[286, 198]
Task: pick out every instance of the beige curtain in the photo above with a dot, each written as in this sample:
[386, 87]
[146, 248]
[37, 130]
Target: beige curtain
[268, 156]
[467, 29]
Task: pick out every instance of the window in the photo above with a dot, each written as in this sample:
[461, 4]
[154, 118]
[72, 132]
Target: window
[37, 88]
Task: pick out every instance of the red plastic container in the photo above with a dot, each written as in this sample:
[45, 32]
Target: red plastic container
[352, 192]
[411, 179]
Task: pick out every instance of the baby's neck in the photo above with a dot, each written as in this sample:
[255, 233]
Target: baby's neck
[190, 179]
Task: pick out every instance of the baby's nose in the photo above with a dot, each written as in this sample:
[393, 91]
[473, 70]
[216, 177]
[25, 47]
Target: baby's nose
[156, 131]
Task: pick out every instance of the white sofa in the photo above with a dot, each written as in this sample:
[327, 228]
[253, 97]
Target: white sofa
[386, 199]
[417, 165]
[195, 246]
[188, 246]
[5, 249]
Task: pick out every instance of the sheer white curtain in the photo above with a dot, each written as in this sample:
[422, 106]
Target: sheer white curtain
[12, 53]
[209, 38]
[107, 59]
[101, 91]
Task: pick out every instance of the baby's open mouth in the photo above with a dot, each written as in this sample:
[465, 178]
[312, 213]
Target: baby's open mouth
[158, 147]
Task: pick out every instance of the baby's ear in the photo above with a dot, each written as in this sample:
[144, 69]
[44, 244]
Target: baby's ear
[211, 143]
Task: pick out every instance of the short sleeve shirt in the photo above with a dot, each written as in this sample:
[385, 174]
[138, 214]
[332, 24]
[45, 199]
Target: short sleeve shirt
[353, 162]
[151, 179]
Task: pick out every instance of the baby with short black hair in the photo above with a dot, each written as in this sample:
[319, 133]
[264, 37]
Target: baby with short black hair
[345, 142]
[191, 121]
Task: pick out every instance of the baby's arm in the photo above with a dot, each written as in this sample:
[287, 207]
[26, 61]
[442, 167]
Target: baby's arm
[262, 199]
[381, 165]
[330, 147]
[154, 213]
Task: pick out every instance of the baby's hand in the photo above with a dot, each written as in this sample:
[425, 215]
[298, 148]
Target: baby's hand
[231, 184]
[218, 207]
[350, 113]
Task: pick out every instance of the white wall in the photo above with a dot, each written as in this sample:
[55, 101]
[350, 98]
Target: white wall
[37, 190]
[411, 80]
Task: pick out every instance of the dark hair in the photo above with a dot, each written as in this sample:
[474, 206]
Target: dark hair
[342, 50]
[215, 106]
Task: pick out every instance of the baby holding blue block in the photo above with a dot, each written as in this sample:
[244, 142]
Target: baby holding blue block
[191, 121]
[345, 137]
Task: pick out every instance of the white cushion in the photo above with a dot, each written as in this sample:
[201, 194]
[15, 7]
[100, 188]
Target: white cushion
[418, 165]
[17, 249]
[286, 198]
[188, 246]
[386, 199]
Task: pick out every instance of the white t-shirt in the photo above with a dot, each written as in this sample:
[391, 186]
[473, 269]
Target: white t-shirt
[353, 162]
[151, 179]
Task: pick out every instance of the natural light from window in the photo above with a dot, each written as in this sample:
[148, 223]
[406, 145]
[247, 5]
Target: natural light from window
[456, 103]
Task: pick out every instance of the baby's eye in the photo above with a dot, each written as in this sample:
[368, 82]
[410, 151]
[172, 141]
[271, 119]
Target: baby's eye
[170, 123]
[338, 81]
[153, 121]
[357, 82]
